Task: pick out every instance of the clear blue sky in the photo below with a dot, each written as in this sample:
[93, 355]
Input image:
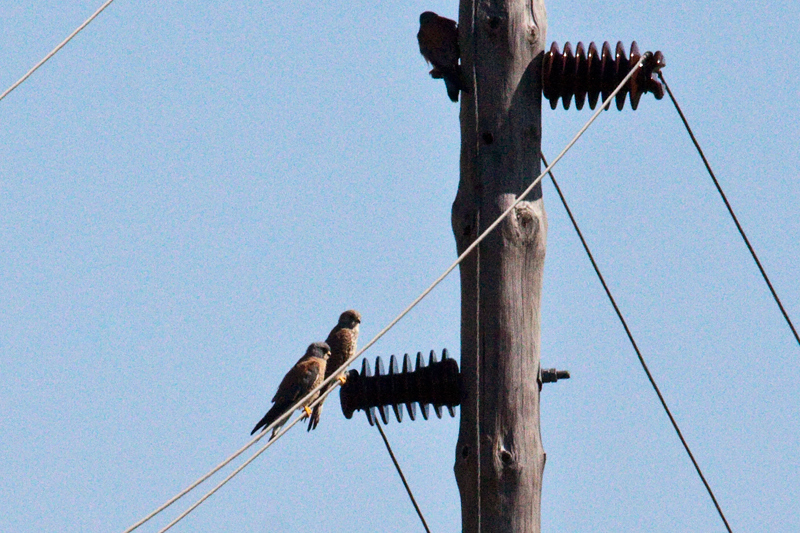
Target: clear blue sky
[190, 194]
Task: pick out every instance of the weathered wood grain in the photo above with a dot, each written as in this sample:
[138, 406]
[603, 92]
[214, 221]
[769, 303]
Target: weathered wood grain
[499, 455]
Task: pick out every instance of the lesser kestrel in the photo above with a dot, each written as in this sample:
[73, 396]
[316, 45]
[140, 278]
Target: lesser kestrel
[307, 373]
[438, 44]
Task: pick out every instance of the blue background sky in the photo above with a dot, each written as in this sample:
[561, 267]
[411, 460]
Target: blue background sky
[190, 194]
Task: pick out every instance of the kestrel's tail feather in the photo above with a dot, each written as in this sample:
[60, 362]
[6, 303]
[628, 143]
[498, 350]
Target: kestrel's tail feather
[453, 85]
[452, 81]
[272, 415]
[313, 421]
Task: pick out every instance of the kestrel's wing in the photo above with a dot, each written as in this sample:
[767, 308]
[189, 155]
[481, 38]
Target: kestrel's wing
[449, 52]
[303, 377]
[438, 42]
[430, 41]
[299, 380]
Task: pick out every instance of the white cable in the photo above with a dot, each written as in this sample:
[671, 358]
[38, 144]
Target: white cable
[243, 465]
[281, 419]
[56, 49]
[196, 483]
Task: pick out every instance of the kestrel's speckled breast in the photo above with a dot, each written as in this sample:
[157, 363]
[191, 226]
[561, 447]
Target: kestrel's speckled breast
[343, 345]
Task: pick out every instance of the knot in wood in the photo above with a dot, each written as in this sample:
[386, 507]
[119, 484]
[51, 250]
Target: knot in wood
[507, 463]
[506, 457]
[494, 21]
[532, 35]
[525, 224]
[464, 221]
[524, 216]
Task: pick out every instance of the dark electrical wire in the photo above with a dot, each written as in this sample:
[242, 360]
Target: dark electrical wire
[402, 477]
[730, 209]
[636, 349]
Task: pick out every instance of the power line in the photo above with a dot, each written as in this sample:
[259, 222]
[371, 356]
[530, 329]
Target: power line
[281, 419]
[244, 465]
[636, 348]
[196, 483]
[56, 49]
[402, 477]
[730, 209]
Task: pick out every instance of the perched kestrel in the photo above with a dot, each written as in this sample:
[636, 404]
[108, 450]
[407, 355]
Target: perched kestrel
[342, 340]
[306, 374]
[438, 44]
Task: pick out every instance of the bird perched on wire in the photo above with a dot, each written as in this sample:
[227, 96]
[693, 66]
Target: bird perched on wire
[342, 340]
[307, 373]
[438, 44]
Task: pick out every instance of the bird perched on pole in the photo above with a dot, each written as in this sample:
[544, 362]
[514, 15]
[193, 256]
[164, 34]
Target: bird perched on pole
[342, 340]
[307, 373]
[438, 44]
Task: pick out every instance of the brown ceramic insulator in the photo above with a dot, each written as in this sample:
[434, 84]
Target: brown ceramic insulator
[592, 73]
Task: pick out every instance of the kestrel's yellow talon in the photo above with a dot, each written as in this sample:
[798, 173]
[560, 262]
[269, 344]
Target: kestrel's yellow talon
[342, 379]
[307, 410]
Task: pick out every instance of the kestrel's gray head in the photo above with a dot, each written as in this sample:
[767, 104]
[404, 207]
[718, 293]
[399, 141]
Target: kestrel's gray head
[318, 349]
[428, 16]
[350, 319]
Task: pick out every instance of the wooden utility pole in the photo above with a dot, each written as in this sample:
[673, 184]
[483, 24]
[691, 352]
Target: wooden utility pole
[499, 455]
